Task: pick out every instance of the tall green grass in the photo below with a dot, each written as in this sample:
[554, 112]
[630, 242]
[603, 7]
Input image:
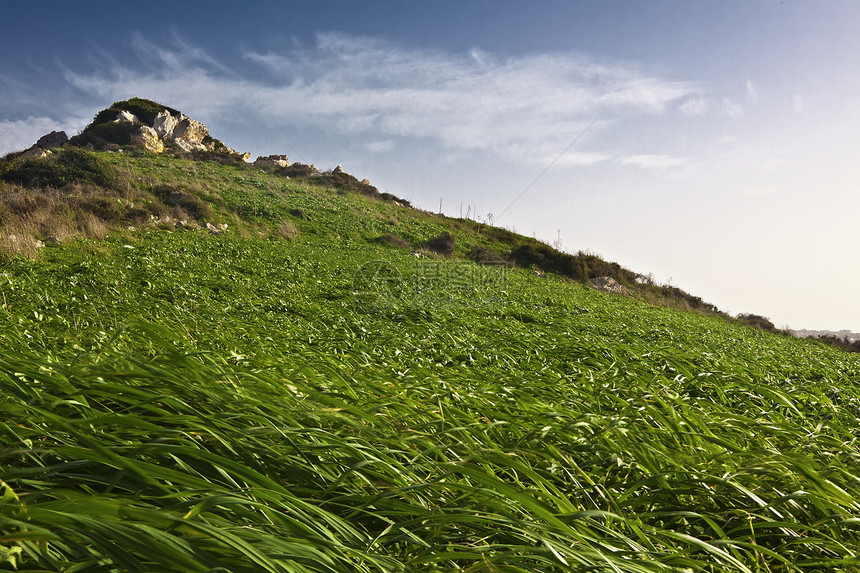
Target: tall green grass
[187, 402]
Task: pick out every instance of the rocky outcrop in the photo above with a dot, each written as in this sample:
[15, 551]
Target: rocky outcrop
[172, 128]
[217, 229]
[608, 284]
[189, 146]
[190, 130]
[148, 138]
[53, 139]
[35, 152]
[186, 133]
[164, 124]
[279, 160]
[337, 170]
[127, 117]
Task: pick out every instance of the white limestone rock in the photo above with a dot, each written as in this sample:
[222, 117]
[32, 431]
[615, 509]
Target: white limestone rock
[126, 117]
[189, 146]
[164, 124]
[279, 160]
[147, 137]
[190, 130]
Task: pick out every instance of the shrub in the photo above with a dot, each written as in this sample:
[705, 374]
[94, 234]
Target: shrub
[395, 199]
[193, 205]
[105, 136]
[214, 144]
[144, 109]
[106, 209]
[548, 259]
[216, 157]
[393, 240]
[756, 321]
[296, 170]
[482, 254]
[442, 244]
[69, 165]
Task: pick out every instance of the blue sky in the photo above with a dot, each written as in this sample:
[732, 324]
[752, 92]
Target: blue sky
[711, 143]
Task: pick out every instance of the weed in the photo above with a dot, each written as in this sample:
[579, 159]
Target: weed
[443, 243]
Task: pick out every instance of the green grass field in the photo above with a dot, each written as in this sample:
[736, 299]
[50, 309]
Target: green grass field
[181, 401]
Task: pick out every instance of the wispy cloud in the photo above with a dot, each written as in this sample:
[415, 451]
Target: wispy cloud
[753, 93]
[525, 108]
[21, 134]
[654, 162]
[694, 106]
[732, 109]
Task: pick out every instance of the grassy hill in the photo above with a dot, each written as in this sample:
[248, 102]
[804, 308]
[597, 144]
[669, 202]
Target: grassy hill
[301, 393]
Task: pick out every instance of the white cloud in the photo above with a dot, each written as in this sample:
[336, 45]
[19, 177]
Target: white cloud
[694, 106]
[732, 109]
[21, 134]
[381, 146]
[526, 108]
[753, 93]
[655, 162]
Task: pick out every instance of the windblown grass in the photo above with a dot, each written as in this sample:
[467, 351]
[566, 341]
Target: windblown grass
[188, 402]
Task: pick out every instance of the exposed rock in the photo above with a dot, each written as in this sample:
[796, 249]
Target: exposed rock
[164, 124]
[216, 229]
[126, 116]
[279, 160]
[147, 137]
[365, 181]
[53, 139]
[313, 169]
[608, 284]
[190, 130]
[337, 170]
[36, 153]
[246, 157]
[188, 146]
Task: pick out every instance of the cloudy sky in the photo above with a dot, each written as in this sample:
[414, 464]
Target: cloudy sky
[713, 144]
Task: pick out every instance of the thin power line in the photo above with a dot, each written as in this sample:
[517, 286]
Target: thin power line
[269, 125]
[553, 162]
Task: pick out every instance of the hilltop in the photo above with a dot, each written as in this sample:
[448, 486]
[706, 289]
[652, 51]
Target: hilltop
[212, 365]
[101, 181]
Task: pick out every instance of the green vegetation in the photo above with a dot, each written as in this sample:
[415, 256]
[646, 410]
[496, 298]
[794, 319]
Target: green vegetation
[144, 109]
[300, 394]
[70, 165]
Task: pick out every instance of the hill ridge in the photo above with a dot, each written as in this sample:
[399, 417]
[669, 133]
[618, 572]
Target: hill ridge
[87, 165]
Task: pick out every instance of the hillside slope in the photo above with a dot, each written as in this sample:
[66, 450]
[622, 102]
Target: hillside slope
[297, 392]
[122, 173]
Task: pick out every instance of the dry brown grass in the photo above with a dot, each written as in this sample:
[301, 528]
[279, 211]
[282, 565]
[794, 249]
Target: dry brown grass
[29, 218]
[287, 230]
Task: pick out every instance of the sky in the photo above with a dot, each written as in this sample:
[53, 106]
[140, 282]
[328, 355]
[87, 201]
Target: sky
[710, 144]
